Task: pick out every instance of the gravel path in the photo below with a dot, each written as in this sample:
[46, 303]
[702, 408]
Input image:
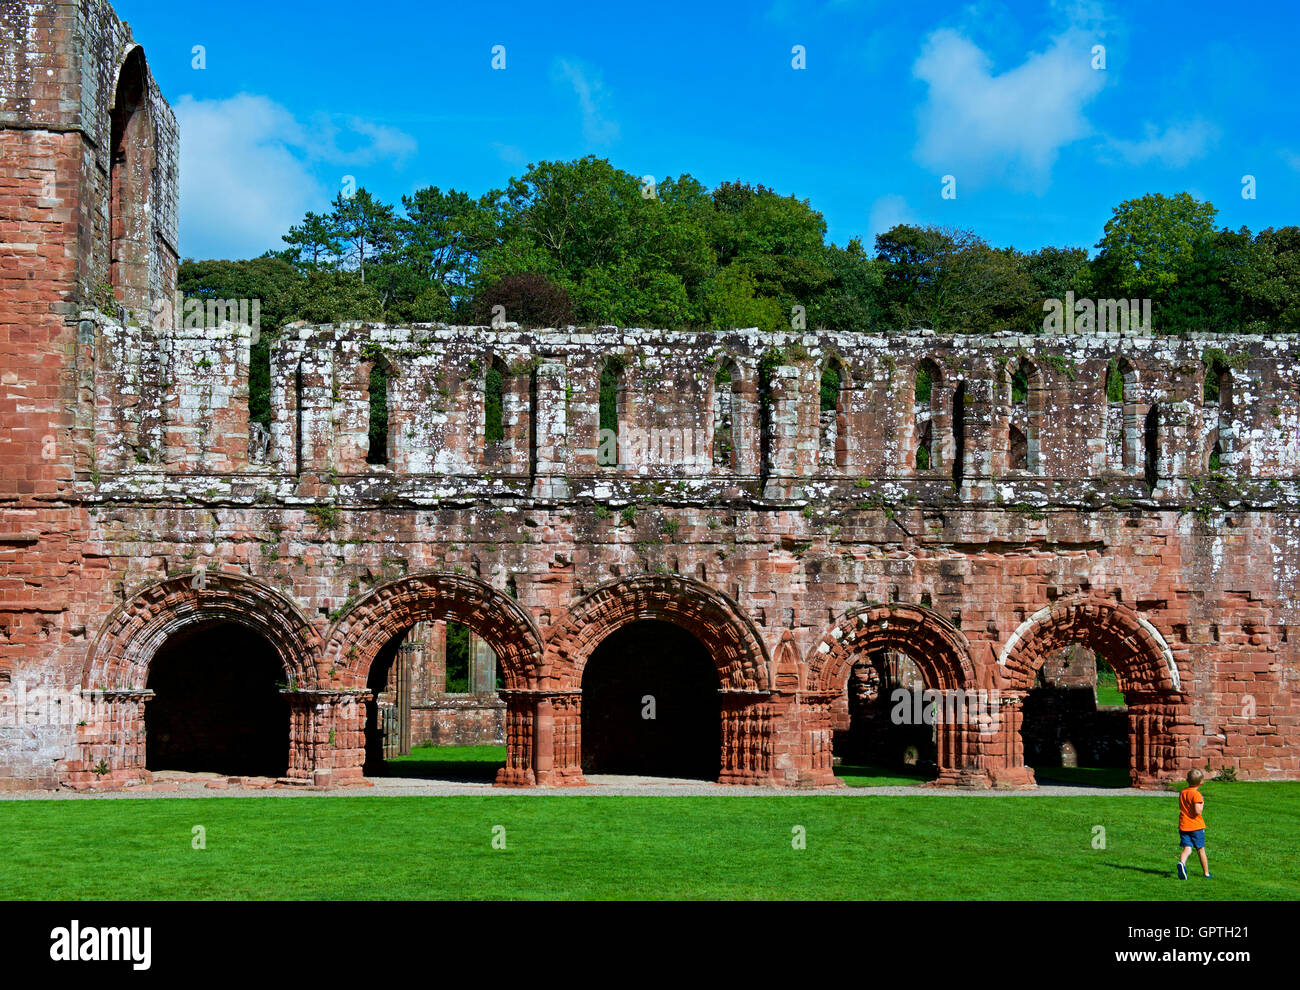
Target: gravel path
[212, 786]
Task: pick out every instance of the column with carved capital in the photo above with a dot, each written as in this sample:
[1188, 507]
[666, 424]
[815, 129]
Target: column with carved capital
[747, 743]
[110, 749]
[327, 736]
[1159, 739]
[814, 766]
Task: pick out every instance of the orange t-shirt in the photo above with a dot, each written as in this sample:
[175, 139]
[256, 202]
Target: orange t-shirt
[1188, 819]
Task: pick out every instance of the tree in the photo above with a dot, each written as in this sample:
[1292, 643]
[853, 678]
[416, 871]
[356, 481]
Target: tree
[953, 282]
[1152, 241]
[364, 229]
[312, 243]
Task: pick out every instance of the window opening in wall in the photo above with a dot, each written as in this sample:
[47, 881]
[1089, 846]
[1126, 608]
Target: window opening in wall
[723, 411]
[378, 453]
[610, 385]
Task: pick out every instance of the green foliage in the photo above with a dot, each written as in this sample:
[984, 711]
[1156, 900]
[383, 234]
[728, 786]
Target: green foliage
[378, 452]
[494, 427]
[578, 242]
[830, 387]
[951, 281]
[1114, 382]
[924, 383]
[1151, 242]
[457, 658]
[609, 376]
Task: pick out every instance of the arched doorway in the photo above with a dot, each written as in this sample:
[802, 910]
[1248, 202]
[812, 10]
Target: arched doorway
[1145, 672]
[650, 704]
[891, 717]
[217, 704]
[366, 648]
[715, 629]
[945, 709]
[175, 622]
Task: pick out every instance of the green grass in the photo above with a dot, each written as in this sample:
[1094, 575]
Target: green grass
[459, 763]
[1084, 776]
[864, 776]
[933, 846]
[1108, 692]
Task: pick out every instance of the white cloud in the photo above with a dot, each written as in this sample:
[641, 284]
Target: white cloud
[886, 212]
[593, 100]
[1176, 146]
[248, 169]
[980, 127]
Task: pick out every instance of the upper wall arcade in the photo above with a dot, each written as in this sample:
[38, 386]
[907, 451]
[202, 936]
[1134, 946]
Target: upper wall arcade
[475, 412]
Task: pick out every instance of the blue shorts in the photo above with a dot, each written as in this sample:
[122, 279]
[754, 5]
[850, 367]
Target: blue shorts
[1194, 840]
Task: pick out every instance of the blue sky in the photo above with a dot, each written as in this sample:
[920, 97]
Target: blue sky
[1003, 96]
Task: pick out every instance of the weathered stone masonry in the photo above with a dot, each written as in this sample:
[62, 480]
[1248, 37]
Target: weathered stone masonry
[131, 510]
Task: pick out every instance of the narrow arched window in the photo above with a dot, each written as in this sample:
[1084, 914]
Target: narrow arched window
[1122, 433]
[724, 449]
[959, 435]
[1217, 399]
[494, 431]
[771, 360]
[1151, 443]
[923, 415]
[828, 414]
[378, 451]
[130, 164]
[607, 454]
[1024, 421]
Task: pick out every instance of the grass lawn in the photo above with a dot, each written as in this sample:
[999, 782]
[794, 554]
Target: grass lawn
[1111, 777]
[459, 763]
[1108, 692]
[933, 846]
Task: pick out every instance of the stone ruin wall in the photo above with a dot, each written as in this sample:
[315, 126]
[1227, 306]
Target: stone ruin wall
[797, 544]
[126, 475]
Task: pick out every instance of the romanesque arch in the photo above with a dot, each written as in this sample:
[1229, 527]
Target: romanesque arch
[726, 634]
[395, 606]
[1144, 665]
[137, 629]
[936, 646]
[1142, 659]
[942, 654]
[111, 744]
[714, 619]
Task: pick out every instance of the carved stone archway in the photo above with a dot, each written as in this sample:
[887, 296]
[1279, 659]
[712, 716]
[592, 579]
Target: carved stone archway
[733, 644]
[497, 619]
[111, 741]
[1160, 725]
[940, 651]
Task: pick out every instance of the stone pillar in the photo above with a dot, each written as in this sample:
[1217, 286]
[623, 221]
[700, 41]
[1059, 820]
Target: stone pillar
[327, 736]
[551, 462]
[783, 434]
[814, 715]
[110, 749]
[1000, 752]
[482, 667]
[965, 723]
[543, 739]
[521, 710]
[1159, 739]
[566, 736]
[747, 728]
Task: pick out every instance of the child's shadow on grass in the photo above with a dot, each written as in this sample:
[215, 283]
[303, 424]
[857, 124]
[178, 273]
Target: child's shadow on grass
[1140, 869]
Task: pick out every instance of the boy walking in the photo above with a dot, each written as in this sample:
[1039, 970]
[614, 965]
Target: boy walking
[1191, 825]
